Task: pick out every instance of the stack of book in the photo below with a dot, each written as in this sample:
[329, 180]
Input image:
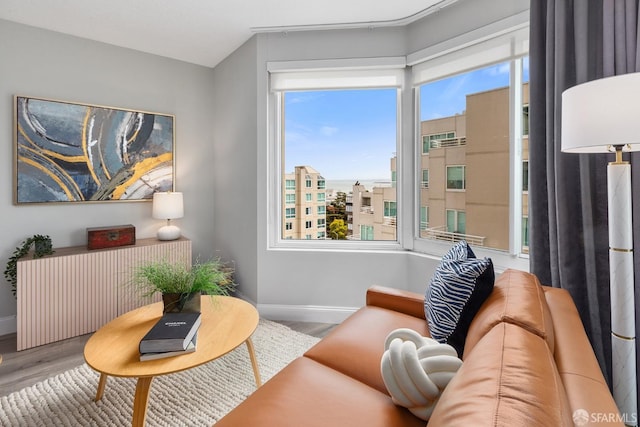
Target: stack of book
[174, 334]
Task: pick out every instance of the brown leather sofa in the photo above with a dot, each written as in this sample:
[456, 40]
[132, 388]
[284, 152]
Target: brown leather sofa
[527, 362]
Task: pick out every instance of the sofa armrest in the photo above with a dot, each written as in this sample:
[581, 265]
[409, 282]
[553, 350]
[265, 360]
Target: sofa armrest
[399, 300]
[577, 365]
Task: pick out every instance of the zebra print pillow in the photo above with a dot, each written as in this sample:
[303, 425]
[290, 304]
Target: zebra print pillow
[458, 288]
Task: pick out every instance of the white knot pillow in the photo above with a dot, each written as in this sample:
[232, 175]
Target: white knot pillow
[416, 369]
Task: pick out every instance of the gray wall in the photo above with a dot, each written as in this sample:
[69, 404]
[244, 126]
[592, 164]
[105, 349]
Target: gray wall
[45, 64]
[235, 174]
[221, 125]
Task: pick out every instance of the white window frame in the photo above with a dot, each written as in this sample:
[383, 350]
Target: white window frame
[355, 73]
[502, 41]
[483, 44]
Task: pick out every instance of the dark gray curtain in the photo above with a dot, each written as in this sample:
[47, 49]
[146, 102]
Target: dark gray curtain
[621, 56]
[573, 42]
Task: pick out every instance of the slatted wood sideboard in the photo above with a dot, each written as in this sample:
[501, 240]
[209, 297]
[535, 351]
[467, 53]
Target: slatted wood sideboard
[75, 291]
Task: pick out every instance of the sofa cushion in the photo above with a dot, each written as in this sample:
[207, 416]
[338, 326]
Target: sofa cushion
[509, 379]
[307, 393]
[459, 286]
[519, 299]
[355, 348]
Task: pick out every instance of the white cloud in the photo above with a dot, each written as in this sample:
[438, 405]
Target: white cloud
[328, 130]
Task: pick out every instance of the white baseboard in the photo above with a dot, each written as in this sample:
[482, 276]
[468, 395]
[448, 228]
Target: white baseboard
[8, 325]
[305, 313]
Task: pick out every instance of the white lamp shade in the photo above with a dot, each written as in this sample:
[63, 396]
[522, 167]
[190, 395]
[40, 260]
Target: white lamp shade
[167, 205]
[601, 113]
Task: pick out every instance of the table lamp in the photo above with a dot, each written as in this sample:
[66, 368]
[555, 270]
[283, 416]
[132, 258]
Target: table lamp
[168, 205]
[603, 116]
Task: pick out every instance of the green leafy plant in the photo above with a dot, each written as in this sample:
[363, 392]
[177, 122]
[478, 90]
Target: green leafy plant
[211, 278]
[42, 246]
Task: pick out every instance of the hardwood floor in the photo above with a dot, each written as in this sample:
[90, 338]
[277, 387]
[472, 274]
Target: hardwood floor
[27, 367]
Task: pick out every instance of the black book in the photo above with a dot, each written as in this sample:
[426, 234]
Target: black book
[173, 332]
[191, 347]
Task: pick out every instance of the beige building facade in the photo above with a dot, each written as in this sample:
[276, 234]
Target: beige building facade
[304, 205]
[465, 165]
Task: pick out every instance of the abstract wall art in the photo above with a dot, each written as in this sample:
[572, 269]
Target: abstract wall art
[69, 152]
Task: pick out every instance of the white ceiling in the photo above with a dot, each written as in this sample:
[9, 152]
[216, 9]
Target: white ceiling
[202, 32]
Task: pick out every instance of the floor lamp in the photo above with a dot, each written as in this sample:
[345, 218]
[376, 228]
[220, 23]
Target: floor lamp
[597, 117]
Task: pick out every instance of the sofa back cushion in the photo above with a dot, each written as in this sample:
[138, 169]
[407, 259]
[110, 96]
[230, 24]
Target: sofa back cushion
[517, 298]
[355, 348]
[508, 379]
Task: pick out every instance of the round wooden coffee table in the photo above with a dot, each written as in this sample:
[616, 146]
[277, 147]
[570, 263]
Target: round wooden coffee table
[227, 322]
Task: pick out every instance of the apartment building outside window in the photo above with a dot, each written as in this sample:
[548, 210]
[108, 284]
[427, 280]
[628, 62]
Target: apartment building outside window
[301, 189]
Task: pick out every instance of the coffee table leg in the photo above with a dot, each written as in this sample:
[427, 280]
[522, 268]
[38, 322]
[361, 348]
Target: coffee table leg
[101, 383]
[140, 401]
[254, 362]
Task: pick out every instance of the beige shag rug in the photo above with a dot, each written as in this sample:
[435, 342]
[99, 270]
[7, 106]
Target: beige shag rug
[196, 397]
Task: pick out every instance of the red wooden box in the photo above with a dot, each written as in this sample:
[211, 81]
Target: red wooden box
[110, 237]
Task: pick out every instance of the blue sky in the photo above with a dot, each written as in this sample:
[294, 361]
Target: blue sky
[342, 134]
[351, 134]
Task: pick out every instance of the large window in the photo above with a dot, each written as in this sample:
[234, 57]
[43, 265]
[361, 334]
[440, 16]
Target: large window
[473, 130]
[338, 139]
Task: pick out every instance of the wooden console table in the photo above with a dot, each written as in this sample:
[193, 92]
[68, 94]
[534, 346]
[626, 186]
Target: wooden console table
[75, 291]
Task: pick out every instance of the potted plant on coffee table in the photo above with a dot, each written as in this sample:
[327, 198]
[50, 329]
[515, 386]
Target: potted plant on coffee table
[181, 285]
